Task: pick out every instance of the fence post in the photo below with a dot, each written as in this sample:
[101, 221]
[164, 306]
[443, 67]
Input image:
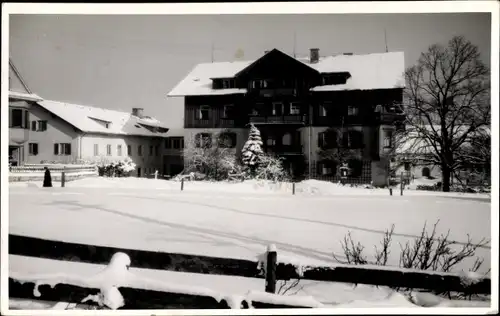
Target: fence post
[402, 183]
[293, 188]
[272, 257]
[182, 184]
[63, 177]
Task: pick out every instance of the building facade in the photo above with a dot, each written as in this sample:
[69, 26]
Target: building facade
[310, 111]
[45, 131]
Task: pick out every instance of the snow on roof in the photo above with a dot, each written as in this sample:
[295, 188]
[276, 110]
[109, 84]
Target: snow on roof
[24, 96]
[199, 80]
[86, 119]
[368, 72]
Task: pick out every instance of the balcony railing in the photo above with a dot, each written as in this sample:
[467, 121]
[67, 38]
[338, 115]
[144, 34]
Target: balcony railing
[278, 119]
[389, 118]
[284, 149]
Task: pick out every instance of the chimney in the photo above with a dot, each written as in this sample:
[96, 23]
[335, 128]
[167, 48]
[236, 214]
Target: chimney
[314, 55]
[138, 112]
[348, 54]
[266, 51]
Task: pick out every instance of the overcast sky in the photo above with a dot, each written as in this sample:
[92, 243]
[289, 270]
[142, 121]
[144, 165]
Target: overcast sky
[120, 62]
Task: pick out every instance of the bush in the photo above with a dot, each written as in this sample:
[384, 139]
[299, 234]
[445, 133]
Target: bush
[115, 168]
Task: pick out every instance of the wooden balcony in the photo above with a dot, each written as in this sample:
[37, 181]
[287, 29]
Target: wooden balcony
[278, 119]
[284, 150]
[389, 118]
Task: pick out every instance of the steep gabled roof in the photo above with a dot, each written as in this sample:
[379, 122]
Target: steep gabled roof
[86, 119]
[16, 81]
[368, 72]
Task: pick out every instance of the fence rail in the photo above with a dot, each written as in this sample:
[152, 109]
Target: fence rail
[271, 271]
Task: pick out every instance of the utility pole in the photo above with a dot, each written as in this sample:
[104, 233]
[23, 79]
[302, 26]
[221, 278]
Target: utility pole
[294, 44]
[385, 39]
[212, 51]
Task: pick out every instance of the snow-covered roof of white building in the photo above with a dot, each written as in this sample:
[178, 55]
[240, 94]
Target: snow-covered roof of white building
[415, 143]
[24, 96]
[368, 72]
[94, 120]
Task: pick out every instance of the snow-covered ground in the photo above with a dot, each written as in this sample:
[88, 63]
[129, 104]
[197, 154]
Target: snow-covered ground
[238, 220]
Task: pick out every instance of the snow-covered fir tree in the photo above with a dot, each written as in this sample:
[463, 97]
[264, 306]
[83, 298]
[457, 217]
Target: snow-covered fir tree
[252, 151]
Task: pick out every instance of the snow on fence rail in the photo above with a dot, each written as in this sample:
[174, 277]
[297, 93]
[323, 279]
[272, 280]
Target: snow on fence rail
[141, 295]
[58, 172]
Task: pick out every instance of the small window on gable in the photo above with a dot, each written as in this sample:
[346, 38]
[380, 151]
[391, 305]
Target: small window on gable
[352, 110]
[204, 112]
[227, 83]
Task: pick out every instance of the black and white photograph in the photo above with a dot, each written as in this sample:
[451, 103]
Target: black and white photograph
[300, 158]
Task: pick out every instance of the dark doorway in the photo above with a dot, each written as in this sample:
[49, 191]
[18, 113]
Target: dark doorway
[139, 172]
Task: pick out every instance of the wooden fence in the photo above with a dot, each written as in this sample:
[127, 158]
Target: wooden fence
[142, 298]
[35, 172]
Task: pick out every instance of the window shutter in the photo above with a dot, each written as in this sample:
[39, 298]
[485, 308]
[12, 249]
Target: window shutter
[320, 140]
[26, 119]
[68, 149]
[35, 149]
[56, 149]
[33, 125]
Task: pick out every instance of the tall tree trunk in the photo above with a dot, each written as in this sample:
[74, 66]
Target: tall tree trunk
[446, 173]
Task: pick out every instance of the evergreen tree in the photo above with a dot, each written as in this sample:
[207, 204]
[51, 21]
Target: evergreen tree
[252, 152]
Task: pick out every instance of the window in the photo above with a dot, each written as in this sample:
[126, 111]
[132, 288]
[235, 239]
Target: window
[129, 150]
[327, 140]
[151, 150]
[352, 110]
[387, 138]
[203, 140]
[323, 109]
[33, 149]
[354, 139]
[119, 150]
[139, 150]
[287, 139]
[96, 149]
[157, 150]
[294, 108]
[277, 108]
[355, 167]
[168, 143]
[407, 166]
[108, 150]
[228, 111]
[204, 112]
[42, 126]
[63, 149]
[177, 143]
[270, 141]
[227, 140]
[227, 83]
[39, 126]
[327, 168]
[17, 118]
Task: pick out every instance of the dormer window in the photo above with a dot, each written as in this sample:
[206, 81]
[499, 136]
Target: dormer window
[335, 78]
[227, 83]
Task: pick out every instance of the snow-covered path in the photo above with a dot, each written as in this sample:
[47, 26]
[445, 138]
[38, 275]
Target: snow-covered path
[307, 229]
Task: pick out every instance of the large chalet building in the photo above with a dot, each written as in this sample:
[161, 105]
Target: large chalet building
[309, 110]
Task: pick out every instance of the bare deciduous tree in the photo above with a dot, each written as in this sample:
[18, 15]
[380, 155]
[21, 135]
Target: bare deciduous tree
[212, 157]
[447, 105]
